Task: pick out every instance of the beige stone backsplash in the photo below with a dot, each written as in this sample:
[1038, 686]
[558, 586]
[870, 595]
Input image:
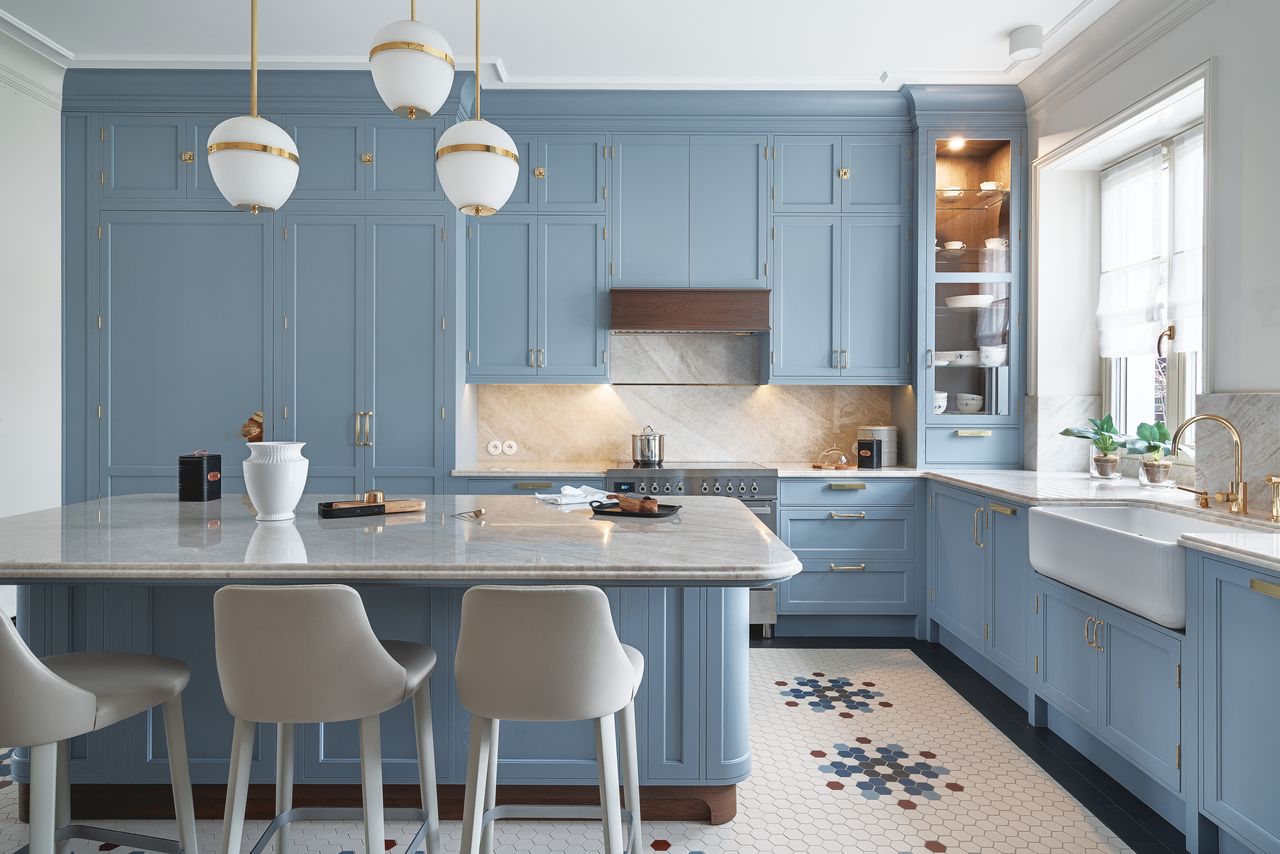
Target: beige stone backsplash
[594, 423]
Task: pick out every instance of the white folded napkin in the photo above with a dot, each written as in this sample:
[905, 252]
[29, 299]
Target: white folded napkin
[573, 495]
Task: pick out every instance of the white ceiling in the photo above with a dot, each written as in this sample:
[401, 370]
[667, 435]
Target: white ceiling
[574, 44]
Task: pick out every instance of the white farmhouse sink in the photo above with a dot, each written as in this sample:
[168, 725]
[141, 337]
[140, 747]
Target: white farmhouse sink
[1128, 556]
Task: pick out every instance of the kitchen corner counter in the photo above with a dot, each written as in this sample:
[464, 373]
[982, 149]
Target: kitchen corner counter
[1252, 547]
[553, 469]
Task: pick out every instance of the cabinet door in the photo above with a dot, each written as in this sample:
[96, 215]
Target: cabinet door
[572, 327]
[1010, 588]
[874, 299]
[727, 211]
[1069, 663]
[185, 348]
[404, 159]
[524, 197]
[1239, 695]
[325, 348]
[959, 566]
[405, 301]
[573, 173]
[878, 174]
[806, 317]
[1140, 713]
[329, 152]
[199, 179]
[142, 157]
[806, 174]
[502, 295]
[650, 211]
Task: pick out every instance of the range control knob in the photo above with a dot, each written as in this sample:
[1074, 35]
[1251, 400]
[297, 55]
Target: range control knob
[644, 488]
[755, 487]
[742, 487]
[680, 487]
[716, 490]
[705, 488]
[666, 488]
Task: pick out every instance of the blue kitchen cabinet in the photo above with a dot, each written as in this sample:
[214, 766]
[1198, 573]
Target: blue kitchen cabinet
[806, 174]
[958, 565]
[142, 157]
[1068, 664]
[728, 244]
[330, 149]
[832, 174]
[649, 214]
[572, 299]
[524, 198]
[502, 298]
[559, 173]
[874, 300]
[200, 184]
[1239, 617]
[807, 299]
[183, 355]
[403, 158]
[878, 177]
[1008, 548]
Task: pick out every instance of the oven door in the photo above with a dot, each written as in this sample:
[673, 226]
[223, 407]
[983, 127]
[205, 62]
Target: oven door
[767, 510]
[763, 605]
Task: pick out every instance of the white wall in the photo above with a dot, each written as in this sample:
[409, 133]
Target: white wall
[1131, 52]
[30, 284]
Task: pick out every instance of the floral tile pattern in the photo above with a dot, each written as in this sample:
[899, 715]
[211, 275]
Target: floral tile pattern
[925, 773]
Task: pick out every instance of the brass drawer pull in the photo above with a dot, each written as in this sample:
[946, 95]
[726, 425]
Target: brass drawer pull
[973, 434]
[533, 484]
[1266, 588]
[1097, 636]
[1088, 630]
[852, 567]
[977, 511]
[1002, 509]
[846, 485]
[858, 515]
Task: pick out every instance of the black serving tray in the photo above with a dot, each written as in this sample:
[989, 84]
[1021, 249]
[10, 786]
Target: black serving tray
[611, 508]
[327, 510]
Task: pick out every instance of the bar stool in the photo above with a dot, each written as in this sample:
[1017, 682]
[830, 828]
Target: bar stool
[547, 654]
[307, 654]
[49, 700]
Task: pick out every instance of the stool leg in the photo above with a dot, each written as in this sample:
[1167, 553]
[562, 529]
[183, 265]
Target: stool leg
[477, 771]
[237, 785]
[631, 775]
[284, 780]
[62, 802]
[175, 738]
[44, 796]
[371, 783]
[607, 760]
[490, 788]
[427, 765]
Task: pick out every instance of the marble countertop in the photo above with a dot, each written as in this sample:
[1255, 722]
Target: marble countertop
[552, 469]
[712, 541]
[1255, 547]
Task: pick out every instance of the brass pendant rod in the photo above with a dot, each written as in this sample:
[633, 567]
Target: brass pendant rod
[253, 57]
[477, 58]
[413, 10]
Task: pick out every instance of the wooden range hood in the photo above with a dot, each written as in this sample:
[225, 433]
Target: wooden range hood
[689, 310]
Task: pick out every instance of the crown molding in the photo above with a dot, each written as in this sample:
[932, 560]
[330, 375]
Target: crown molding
[1154, 29]
[28, 70]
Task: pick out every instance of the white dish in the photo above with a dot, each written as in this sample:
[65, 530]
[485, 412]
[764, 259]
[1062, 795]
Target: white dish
[956, 357]
[993, 356]
[970, 301]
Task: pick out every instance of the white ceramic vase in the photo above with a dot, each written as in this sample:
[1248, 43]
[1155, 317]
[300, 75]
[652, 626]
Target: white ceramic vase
[275, 476]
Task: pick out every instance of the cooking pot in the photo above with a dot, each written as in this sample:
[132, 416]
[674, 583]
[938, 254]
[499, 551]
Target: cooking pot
[648, 447]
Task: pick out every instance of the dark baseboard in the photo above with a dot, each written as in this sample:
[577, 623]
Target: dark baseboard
[93, 801]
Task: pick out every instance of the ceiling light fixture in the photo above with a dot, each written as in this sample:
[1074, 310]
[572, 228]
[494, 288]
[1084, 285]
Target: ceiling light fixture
[1026, 42]
[956, 143]
[412, 67]
[477, 161]
[254, 162]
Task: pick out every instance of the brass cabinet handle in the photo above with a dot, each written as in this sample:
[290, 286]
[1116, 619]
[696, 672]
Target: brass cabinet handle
[852, 567]
[858, 515]
[844, 358]
[844, 174]
[533, 484]
[835, 358]
[1002, 509]
[366, 157]
[973, 434]
[540, 172]
[976, 529]
[1097, 632]
[846, 485]
[1266, 588]
[542, 358]
[359, 414]
[1088, 630]
[532, 363]
[368, 429]
[928, 358]
[188, 157]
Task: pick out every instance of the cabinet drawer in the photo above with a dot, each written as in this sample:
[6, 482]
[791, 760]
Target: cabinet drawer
[525, 485]
[872, 534]
[848, 491]
[880, 587]
[977, 445]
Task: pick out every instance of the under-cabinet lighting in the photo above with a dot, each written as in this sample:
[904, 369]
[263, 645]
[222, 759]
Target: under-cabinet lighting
[956, 143]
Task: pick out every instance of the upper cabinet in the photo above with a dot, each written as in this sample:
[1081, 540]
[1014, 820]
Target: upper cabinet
[143, 157]
[689, 210]
[833, 174]
[560, 173]
[403, 159]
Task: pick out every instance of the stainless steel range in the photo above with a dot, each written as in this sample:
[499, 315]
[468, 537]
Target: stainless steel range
[751, 483]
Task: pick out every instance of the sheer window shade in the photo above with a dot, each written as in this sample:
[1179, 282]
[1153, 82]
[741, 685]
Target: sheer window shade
[1135, 234]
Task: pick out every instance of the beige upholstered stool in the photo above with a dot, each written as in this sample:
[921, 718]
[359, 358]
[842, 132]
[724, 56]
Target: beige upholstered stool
[307, 654]
[547, 654]
[46, 701]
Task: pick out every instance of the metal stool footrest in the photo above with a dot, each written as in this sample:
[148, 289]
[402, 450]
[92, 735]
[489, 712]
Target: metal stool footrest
[122, 838]
[333, 814]
[566, 812]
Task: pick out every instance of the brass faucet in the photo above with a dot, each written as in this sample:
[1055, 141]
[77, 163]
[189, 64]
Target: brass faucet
[1274, 481]
[1238, 496]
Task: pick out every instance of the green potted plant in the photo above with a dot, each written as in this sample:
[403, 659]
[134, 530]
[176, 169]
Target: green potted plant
[1106, 440]
[1151, 445]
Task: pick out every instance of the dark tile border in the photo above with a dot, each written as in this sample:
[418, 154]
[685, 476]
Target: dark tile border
[1137, 825]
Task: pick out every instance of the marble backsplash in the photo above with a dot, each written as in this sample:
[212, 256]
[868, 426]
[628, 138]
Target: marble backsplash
[1045, 417]
[594, 423]
[1257, 417]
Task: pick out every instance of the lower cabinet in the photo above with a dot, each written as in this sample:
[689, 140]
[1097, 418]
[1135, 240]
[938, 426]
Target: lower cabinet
[1239, 693]
[1116, 674]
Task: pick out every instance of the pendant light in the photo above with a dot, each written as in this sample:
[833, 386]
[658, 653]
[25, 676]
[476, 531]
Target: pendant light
[254, 162]
[477, 161]
[412, 67]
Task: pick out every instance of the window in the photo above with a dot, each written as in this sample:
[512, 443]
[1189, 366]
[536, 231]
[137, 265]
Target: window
[1152, 253]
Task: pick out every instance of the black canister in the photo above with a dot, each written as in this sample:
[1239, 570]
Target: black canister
[868, 453]
[199, 476]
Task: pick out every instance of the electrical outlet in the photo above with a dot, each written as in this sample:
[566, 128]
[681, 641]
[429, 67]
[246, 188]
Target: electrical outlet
[509, 447]
[494, 447]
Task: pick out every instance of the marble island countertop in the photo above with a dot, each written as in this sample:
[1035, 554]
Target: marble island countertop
[711, 542]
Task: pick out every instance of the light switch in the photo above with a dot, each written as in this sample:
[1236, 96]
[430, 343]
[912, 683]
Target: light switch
[509, 447]
[494, 447]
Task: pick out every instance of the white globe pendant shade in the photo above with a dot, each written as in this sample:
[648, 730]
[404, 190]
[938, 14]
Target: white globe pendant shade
[478, 166]
[254, 163]
[412, 67]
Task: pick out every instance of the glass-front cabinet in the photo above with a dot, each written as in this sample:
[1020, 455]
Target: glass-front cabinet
[973, 282]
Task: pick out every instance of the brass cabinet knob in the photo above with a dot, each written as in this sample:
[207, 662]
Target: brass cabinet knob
[844, 174]
[540, 172]
[188, 157]
[367, 157]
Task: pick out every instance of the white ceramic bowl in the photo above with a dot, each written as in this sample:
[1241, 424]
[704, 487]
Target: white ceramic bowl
[971, 301]
[993, 356]
[939, 406]
[969, 402]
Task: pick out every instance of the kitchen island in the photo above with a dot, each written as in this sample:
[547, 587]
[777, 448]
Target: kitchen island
[138, 574]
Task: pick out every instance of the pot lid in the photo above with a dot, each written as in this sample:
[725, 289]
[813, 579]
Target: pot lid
[647, 431]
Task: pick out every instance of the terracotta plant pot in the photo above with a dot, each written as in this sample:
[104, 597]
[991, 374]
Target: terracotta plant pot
[1106, 467]
[1156, 473]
